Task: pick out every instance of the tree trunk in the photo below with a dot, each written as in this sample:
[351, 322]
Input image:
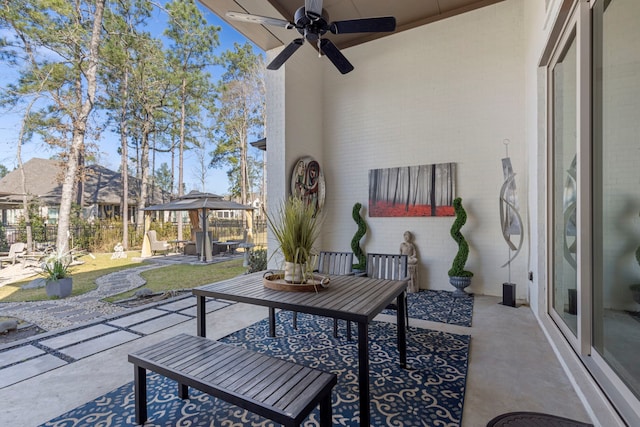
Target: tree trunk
[79, 129]
[181, 152]
[144, 168]
[124, 168]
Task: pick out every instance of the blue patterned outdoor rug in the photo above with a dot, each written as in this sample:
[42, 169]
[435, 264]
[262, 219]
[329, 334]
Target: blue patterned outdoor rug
[439, 306]
[429, 393]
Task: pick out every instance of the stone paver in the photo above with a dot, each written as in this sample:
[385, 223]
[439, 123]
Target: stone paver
[87, 348]
[138, 317]
[211, 306]
[28, 369]
[179, 305]
[160, 323]
[19, 354]
[77, 336]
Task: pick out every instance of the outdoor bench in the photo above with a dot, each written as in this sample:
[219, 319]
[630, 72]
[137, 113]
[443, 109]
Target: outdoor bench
[281, 391]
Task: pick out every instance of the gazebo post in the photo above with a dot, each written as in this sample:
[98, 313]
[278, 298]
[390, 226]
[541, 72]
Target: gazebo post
[146, 245]
[206, 243]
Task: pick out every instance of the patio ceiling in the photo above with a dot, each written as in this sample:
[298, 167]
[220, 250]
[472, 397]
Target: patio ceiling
[408, 13]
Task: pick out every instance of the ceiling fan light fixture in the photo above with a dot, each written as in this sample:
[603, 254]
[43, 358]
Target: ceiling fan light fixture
[312, 22]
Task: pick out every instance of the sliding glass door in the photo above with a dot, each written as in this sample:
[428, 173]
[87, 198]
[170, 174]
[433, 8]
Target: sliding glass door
[593, 77]
[616, 190]
[563, 80]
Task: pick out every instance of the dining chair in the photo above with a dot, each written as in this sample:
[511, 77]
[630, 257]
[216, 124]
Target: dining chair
[333, 263]
[389, 267]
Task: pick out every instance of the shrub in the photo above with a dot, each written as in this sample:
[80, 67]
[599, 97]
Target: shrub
[257, 260]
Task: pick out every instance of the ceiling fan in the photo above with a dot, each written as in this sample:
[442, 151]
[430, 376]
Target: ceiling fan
[312, 22]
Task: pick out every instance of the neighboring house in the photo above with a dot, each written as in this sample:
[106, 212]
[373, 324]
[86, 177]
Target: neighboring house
[102, 189]
[560, 79]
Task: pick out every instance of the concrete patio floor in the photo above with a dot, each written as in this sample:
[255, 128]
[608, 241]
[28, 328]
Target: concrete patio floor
[512, 367]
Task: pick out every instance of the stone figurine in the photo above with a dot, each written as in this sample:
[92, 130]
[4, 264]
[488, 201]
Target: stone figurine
[409, 249]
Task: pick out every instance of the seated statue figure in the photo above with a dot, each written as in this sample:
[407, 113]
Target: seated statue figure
[409, 249]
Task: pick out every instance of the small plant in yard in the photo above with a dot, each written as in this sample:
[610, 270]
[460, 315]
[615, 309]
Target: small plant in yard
[56, 267]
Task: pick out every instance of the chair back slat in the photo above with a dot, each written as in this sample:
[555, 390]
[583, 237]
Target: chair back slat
[387, 266]
[339, 263]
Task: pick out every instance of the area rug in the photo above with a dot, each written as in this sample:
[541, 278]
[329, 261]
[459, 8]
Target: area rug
[429, 393]
[439, 306]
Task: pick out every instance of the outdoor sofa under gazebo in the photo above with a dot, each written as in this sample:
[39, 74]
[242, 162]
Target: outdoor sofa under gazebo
[198, 204]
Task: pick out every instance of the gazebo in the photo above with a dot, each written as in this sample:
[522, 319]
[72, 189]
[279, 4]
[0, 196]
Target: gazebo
[198, 204]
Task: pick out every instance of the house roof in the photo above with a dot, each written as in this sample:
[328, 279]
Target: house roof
[44, 181]
[408, 13]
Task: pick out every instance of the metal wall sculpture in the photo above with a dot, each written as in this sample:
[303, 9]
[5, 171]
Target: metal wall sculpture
[307, 182]
[425, 190]
[510, 219]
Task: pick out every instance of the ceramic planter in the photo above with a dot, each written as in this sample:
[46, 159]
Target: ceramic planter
[60, 288]
[459, 283]
[294, 272]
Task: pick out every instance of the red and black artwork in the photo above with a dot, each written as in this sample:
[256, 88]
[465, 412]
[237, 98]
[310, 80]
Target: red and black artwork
[425, 190]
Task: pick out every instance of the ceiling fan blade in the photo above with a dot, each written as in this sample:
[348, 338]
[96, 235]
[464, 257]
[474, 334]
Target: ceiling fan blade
[335, 56]
[257, 19]
[313, 9]
[285, 54]
[365, 25]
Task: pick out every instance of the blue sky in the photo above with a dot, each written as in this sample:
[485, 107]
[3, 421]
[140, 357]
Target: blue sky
[217, 181]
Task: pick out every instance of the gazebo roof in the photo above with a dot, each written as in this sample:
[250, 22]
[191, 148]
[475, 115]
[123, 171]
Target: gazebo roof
[198, 200]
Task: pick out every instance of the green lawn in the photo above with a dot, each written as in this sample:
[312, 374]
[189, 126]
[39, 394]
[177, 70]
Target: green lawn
[172, 277]
[84, 277]
[182, 276]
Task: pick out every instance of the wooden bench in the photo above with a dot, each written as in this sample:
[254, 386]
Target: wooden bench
[281, 391]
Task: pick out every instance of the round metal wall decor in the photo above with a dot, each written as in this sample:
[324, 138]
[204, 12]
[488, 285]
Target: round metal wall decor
[307, 182]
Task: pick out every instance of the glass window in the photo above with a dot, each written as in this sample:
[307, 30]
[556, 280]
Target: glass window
[564, 266]
[616, 190]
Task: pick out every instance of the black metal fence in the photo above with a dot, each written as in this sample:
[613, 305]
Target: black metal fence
[102, 237]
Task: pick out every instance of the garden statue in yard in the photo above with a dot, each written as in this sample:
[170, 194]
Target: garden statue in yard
[408, 248]
[118, 252]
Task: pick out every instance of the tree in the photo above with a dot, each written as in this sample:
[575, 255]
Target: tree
[60, 40]
[164, 178]
[239, 115]
[3, 171]
[119, 53]
[192, 42]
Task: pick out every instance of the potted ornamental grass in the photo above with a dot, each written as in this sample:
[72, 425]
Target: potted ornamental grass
[56, 273]
[458, 276]
[296, 228]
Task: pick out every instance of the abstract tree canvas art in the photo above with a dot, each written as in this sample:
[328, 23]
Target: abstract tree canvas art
[425, 190]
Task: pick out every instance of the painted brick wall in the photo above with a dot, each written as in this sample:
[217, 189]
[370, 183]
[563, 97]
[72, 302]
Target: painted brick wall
[450, 91]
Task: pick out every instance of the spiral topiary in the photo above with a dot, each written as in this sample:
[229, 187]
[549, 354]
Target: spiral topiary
[355, 242]
[457, 267]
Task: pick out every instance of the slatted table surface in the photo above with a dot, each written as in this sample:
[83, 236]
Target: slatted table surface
[282, 391]
[353, 298]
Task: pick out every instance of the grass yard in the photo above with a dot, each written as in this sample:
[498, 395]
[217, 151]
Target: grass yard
[162, 279]
[182, 276]
[84, 277]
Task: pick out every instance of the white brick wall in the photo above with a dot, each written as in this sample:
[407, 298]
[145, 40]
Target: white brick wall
[450, 91]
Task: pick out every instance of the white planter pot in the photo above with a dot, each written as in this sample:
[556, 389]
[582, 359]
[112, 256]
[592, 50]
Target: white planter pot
[293, 272]
[60, 288]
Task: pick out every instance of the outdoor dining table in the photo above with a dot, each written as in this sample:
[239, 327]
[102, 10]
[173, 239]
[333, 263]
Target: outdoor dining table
[351, 298]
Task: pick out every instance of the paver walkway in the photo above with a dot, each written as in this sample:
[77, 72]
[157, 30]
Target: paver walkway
[83, 325]
[41, 353]
[72, 311]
